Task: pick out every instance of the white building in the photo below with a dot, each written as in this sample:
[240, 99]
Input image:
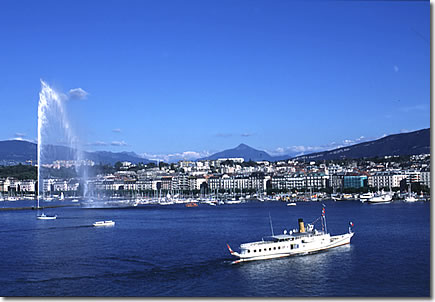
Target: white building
[385, 179]
[425, 177]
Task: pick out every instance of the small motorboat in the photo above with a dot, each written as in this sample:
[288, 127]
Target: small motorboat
[104, 223]
[45, 217]
[291, 204]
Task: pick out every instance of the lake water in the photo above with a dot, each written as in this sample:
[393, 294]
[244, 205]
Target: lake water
[179, 251]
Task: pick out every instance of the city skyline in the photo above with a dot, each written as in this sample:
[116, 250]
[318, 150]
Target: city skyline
[195, 78]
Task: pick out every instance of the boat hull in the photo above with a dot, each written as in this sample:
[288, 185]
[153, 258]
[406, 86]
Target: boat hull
[46, 217]
[103, 223]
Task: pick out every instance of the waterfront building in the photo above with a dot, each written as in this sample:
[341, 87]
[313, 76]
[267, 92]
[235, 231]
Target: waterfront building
[425, 176]
[214, 182]
[60, 185]
[295, 181]
[354, 181]
[336, 181]
[413, 175]
[299, 181]
[196, 182]
[27, 185]
[386, 179]
[166, 183]
[48, 185]
[180, 182]
[278, 182]
[258, 181]
[316, 180]
[144, 184]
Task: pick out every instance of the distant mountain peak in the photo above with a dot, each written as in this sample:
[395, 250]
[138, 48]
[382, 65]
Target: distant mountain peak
[243, 146]
[242, 151]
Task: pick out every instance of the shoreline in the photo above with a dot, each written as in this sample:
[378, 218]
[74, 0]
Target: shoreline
[35, 208]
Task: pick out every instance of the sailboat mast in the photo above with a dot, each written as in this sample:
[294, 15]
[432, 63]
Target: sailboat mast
[271, 227]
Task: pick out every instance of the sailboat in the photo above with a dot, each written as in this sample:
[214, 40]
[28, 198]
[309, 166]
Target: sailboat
[43, 216]
[410, 197]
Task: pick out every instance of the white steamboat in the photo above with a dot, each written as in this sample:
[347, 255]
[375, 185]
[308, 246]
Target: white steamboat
[299, 241]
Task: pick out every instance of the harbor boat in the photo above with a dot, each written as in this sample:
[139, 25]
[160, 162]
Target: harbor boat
[45, 217]
[232, 201]
[381, 198]
[291, 204]
[299, 241]
[410, 197]
[366, 196]
[42, 216]
[104, 223]
[191, 204]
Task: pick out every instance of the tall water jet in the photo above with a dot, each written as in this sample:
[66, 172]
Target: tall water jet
[54, 128]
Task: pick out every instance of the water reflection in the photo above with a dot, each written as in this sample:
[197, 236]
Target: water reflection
[304, 275]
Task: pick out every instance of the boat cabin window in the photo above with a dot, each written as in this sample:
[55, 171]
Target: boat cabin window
[274, 247]
[255, 251]
[249, 251]
[279, 247]
[270, 249]
[259, 250]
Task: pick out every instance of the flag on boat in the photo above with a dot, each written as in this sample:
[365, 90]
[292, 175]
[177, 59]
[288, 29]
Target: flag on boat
[351, 224]
[323, 211]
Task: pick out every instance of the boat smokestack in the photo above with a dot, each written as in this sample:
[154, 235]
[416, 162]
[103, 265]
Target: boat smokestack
[301, 225]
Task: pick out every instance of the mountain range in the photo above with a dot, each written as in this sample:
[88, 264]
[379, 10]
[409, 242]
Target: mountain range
[16, 151]
[410, 143]
[416, 142]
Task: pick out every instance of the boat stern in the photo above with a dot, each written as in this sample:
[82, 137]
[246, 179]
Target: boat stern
[233, 253]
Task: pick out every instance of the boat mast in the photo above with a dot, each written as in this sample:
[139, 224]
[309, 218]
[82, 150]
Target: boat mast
[271, 227]
[324, 218]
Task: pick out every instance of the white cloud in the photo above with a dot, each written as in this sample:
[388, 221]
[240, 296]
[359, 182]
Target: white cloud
[246, 134]
[78, 93]
[296, 149]
[118, 143]
[279, 150]
[19, 134]
[301, 150]
[175, 157]
[116, 130]
[98, 143]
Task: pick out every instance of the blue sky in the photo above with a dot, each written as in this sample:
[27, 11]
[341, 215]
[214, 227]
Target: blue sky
[166, 77]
